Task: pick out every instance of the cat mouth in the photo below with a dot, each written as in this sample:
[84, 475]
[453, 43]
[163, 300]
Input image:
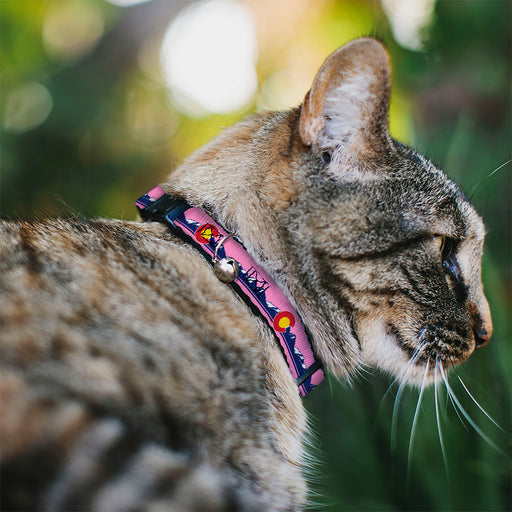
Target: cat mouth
[417, 358]
[435, 345]
[439, 345]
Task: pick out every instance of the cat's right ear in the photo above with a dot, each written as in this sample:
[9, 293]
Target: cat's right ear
[348, 103]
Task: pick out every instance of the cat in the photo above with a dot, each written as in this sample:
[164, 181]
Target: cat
[133, 378]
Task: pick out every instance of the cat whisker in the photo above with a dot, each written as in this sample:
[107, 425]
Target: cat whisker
[364, 369]
[363, 372]
[402, 379]
[386, 393]
[436, 396]
[394, 418]
[458, 405]
[498, 168]
[487, 177]
[415, 419]
[403, 374]
[450, 399]
[446, 402]
[421, 335]
[489, 417]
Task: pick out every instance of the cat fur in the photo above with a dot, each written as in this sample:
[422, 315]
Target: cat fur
[132, 379]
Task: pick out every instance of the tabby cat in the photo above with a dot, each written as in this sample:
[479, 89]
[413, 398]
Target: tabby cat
[132, 378]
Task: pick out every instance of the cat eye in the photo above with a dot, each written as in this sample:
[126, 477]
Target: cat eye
[326, 157]
[440, 241]
[446, 247]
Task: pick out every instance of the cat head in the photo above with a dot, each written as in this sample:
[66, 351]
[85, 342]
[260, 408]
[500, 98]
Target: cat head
[389, 246]
[379, 251]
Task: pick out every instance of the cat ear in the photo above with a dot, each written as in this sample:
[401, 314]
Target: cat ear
[348, 102]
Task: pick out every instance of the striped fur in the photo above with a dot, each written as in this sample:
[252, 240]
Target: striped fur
[132, 378]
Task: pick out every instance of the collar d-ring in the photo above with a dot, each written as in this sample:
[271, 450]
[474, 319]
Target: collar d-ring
[219, 245]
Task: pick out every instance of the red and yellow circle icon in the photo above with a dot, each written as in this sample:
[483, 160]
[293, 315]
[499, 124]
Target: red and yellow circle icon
[283, 320]
[205, 232]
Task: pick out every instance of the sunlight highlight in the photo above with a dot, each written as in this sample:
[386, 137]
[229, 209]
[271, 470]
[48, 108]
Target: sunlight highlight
[208, 58]
[409, 19]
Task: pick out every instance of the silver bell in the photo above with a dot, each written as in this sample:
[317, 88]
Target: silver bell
[226, 269]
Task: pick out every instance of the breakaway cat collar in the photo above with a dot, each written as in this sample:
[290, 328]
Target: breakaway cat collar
[232, 263]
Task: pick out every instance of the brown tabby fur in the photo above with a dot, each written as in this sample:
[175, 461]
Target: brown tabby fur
[133, 379]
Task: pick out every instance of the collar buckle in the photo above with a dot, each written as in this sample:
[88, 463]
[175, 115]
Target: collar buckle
[157, 205]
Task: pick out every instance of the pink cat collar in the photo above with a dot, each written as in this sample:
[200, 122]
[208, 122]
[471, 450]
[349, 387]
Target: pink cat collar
[250, 280]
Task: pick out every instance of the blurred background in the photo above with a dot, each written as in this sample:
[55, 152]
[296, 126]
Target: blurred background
[101, 100]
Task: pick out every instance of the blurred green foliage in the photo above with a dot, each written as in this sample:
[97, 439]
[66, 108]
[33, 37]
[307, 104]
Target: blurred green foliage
[95, 131]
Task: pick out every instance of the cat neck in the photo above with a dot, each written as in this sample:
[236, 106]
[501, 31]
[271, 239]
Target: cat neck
[249, 179]
[243, 178]
[232, 264]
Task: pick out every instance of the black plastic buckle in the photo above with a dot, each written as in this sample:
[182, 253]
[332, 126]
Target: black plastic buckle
[166, 208]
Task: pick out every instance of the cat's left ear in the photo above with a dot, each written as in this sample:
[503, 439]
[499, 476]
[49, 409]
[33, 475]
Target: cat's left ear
[348, 103]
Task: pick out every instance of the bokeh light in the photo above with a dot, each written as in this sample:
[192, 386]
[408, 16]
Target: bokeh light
[72, 29]
[27, 107]
[208, 57]
[126, 3]
[409, 19]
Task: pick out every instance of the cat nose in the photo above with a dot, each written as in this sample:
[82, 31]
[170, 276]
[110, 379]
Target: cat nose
[482, 325]
[482, 337]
